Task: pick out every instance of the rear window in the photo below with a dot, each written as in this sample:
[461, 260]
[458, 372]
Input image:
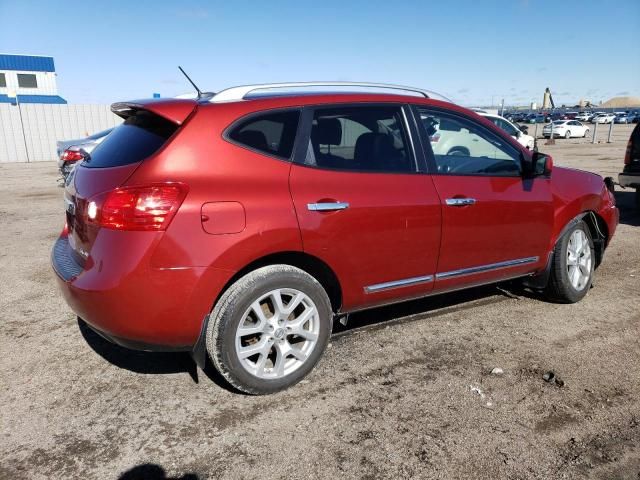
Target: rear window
[271, 133]
[139, 137]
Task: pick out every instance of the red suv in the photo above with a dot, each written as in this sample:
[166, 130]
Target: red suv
[242, 225]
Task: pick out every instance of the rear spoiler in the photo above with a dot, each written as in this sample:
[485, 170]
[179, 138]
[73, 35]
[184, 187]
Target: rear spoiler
[173, 109]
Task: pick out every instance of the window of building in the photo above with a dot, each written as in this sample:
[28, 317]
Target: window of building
[272, 133]
[362, 138]
[27, 80]
[3, 80]
[462, 147]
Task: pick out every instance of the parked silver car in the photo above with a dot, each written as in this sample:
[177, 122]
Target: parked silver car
[72, 151]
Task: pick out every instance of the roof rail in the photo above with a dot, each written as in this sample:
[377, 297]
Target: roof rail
[234, 94]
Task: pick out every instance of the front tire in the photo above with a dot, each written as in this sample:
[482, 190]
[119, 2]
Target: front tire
[572, 266]
[269, 329]
[586, 132]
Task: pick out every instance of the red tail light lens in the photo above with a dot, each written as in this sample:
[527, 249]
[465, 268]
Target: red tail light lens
[149, 207]
[627, 155]
[71, 156]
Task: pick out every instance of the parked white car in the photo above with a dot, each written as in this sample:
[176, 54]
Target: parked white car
[603, 118]
[566, 129]
[584, 116]
[511, 129]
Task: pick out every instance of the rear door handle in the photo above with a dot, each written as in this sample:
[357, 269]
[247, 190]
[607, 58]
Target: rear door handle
[460, 202]
[327, 206]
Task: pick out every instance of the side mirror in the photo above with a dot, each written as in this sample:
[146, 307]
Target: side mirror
[540, 165]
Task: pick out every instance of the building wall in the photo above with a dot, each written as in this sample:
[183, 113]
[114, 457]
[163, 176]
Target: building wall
[44, 125]
[46, 83]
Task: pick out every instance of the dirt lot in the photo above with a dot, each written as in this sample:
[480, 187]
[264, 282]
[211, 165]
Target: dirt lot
[404, 393]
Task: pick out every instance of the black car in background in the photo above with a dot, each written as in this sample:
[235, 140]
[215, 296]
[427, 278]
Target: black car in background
[630, 176]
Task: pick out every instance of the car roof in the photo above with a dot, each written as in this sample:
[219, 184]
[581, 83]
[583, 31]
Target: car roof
[247, 92]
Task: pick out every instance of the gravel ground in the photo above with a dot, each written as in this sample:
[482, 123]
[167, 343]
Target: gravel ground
[405, 392]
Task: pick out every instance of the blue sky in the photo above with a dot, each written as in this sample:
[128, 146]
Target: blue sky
[472, 51]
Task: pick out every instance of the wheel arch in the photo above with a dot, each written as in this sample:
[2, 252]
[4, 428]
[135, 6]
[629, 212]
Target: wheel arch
[315, 267]
[599, 234]
[597, 228]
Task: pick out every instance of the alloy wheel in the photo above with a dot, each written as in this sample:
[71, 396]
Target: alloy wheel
[277, 333]
[579, 260]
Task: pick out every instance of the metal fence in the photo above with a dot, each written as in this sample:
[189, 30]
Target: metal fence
[28, 132]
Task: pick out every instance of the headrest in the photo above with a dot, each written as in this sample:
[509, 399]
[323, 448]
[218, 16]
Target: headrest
[253, 138]
[327, 131]
[372, 148]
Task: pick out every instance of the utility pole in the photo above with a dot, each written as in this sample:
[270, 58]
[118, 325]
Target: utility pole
[13, 94]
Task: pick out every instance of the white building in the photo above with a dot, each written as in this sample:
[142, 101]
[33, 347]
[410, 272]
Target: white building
[32, 78]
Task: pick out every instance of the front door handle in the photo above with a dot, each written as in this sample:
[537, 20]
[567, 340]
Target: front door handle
[460, 202]
[327, 206]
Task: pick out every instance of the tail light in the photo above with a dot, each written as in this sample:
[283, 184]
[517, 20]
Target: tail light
[148, 207]
[71, 156]
[627, 155]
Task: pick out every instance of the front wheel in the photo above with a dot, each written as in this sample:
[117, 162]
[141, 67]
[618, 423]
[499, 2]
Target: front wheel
[572, 265]
[269, 329]
[586, 132]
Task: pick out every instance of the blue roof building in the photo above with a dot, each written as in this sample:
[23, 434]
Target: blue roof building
[31, 78]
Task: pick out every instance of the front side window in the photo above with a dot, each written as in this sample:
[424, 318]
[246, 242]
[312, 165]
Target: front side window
[27, 80]
[362, 138]
[463, 147]
[273, 133]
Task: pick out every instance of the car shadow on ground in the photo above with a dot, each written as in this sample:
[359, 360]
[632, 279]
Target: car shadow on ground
[629, 214]
[134, 360]
[160, 363]
[420, 309]
[155, 363]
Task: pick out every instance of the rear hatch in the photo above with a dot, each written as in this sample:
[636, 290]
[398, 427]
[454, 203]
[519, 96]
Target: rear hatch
[147, 128]
[632, 155]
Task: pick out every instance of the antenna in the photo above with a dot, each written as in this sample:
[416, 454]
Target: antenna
[191, 81]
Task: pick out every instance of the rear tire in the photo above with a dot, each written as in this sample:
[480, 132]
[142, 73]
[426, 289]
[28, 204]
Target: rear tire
[637, 198]
[269, 329]
[567, 135]
[572, 265]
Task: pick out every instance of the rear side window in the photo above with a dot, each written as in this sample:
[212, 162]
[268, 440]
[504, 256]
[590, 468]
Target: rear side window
[271, 133]
[139, 137]
[360, 138]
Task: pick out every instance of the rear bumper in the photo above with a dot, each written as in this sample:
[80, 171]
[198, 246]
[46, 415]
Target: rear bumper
[629, 180]
[132, 304]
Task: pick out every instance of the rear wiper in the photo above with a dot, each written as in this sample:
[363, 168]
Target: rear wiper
[85, 154]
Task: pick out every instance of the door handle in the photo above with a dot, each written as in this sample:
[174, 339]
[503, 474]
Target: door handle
[327, 206]
[460, 202]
